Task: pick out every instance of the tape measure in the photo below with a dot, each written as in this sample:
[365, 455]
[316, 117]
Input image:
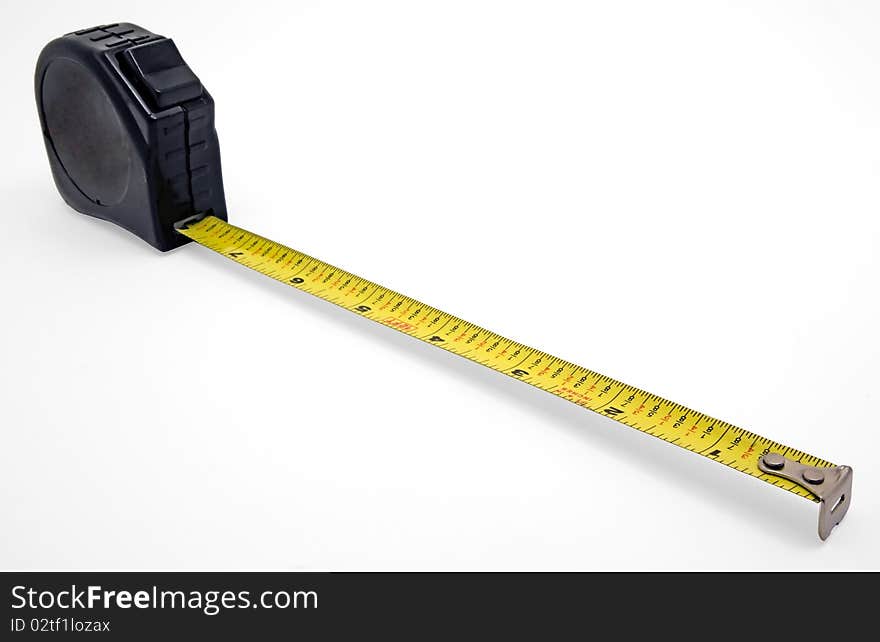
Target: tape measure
[129, 130]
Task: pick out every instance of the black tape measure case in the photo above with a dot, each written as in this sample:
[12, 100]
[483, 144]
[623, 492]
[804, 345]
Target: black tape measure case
[129, 130]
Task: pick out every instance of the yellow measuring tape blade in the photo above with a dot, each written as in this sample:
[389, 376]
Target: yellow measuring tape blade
[634, 407]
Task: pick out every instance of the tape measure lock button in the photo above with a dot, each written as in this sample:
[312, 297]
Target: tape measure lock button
[159, 71]
[129, 130]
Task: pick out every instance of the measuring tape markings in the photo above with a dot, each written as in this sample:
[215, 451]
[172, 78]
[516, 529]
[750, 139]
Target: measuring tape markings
[672, 422]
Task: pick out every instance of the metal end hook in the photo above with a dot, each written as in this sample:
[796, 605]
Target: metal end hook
[832, 486]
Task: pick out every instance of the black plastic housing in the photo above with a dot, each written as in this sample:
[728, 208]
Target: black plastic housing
[129, 130]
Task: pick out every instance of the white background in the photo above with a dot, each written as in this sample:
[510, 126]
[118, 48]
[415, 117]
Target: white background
[712, 168]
